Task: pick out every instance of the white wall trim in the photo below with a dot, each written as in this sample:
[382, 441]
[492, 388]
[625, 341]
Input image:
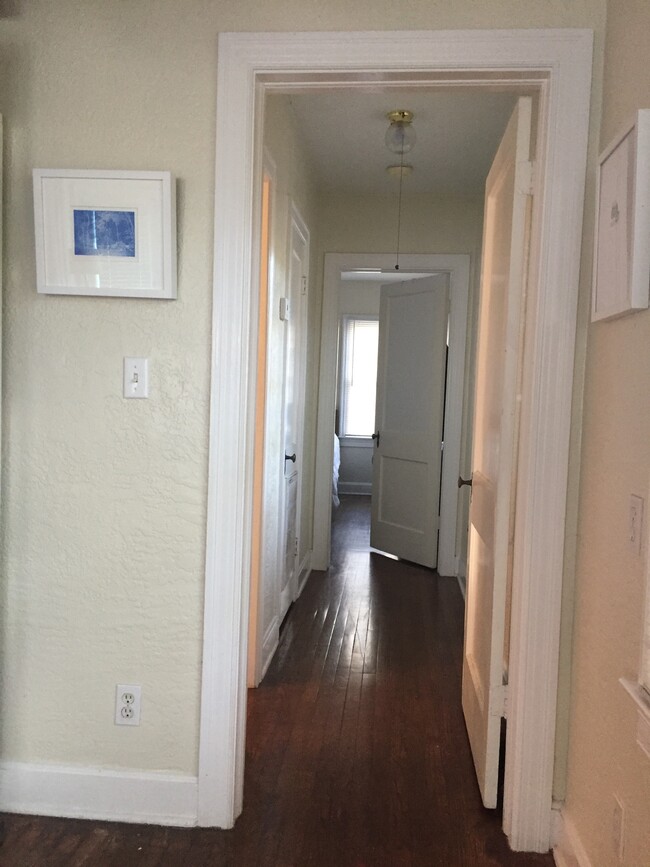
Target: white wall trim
[269, 646]
[364, 488]
[569, 851]
[458, 267]
[249, 64]
[304, 571]
[94, 793]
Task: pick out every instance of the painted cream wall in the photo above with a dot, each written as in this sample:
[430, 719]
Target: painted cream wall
[603, 756]
[105, 501]
[292, 184]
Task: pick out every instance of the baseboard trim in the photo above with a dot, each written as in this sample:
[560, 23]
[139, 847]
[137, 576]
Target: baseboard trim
[269, 646]
[569, 851]
[304, 571]
[93, 793]
[462, 583]
[364, 488]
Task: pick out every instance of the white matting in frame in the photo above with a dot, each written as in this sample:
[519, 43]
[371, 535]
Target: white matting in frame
[621, 281]
[105, 233]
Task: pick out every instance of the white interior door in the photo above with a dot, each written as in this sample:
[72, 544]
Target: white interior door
[409, 418]
[491, 519]
[293, 311]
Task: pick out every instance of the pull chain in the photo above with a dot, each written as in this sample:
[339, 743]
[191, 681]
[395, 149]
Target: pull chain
[399, 207]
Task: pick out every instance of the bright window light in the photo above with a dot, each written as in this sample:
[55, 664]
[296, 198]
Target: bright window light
[360, 339]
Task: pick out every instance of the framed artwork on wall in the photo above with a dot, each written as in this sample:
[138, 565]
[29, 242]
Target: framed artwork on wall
[621, 279]
[105, 233]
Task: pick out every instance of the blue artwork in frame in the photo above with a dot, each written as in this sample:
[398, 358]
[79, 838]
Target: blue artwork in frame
[104, 233]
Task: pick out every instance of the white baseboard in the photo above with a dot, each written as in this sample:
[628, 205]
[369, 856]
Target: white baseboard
[364, 488]
[92, 793]
[462, 583]
[269, 646]
[569, 851]
[304, 571]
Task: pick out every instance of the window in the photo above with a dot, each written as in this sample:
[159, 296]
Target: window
[359, 343]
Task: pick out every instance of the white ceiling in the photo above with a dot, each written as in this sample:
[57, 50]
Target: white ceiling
[457, 135]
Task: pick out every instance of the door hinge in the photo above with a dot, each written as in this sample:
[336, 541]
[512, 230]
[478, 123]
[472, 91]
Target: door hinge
[526, 177]
[304, 285]
[499, 696]
[295, 547]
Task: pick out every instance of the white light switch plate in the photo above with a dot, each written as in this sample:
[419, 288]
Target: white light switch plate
[136, 377]
[635, 524]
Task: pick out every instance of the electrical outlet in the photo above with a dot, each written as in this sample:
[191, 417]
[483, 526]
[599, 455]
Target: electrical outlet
[127, 704]
[618, 828]
[635, 525]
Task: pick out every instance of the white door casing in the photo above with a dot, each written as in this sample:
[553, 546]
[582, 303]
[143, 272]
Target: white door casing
[496, 406]
[555, 63]
[457, 268]
[407, 456]
[263, 613]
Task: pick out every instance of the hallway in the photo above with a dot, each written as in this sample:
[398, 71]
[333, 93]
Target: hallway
[356, 755]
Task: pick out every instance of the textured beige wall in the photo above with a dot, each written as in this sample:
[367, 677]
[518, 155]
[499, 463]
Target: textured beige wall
[603, 756]
[105, 501]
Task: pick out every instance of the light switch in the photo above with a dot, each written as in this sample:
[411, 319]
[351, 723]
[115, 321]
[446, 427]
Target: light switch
[136, 377]
[635, 524]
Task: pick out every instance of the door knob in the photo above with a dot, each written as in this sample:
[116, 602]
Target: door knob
[462, 481]
[290, 457]
[375, 437]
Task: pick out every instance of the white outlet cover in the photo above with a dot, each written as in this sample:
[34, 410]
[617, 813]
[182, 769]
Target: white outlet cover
[127, 704]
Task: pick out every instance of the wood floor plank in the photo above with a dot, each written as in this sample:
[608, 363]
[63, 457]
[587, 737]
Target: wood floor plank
[357, 754]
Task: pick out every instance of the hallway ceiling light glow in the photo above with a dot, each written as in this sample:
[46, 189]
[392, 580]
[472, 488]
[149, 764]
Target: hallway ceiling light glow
[400, 135]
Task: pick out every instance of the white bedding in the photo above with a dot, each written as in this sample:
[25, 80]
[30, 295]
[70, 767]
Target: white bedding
[335, 472]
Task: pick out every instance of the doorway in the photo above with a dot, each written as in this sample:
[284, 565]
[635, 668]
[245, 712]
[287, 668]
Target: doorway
[558, 65]
[457, 266]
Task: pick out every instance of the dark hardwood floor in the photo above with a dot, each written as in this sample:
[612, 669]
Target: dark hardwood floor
[356, 755]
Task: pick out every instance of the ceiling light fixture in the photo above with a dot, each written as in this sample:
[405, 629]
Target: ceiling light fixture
[399, 139]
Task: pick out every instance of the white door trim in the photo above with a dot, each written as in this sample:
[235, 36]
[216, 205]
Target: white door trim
[458, 266]
[558, 62]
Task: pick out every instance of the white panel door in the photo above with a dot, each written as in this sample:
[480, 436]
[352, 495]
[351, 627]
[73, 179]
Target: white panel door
[491, 519]
[409, 418]
[293, 310]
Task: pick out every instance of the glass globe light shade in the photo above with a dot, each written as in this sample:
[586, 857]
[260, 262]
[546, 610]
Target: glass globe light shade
[400, 137]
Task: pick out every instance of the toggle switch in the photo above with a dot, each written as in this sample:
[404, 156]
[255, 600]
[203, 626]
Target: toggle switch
[136, 377]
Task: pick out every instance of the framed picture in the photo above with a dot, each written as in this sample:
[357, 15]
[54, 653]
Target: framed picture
[621, 282]
[105, 233]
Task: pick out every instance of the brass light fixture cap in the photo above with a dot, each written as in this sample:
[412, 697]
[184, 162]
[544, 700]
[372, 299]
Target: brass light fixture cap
[400, 115]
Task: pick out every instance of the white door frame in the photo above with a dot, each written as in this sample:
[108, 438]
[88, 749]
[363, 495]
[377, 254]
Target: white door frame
[558, 64]
[457, 266]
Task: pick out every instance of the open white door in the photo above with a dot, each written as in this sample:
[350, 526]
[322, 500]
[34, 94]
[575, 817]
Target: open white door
[293, 311]
[491, 519]
[409, 418]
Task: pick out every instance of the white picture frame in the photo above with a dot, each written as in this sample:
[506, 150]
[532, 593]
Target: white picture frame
[621, 276]
[105, 233]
